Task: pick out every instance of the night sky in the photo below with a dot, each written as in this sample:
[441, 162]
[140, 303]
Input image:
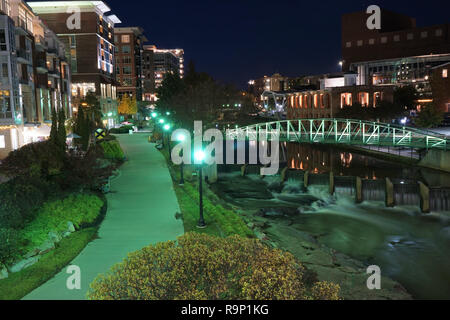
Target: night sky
[239, 40]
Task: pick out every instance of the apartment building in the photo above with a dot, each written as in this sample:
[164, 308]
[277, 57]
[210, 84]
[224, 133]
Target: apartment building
[129, 61]
[90, 48]
[158, 62]
[34, 77]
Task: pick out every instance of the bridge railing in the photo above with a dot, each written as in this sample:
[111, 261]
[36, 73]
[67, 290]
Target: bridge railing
[344, 131]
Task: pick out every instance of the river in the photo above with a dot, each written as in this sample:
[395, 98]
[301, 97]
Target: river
[410, 247]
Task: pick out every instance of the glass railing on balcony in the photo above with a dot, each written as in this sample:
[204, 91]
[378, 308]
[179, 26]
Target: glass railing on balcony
[23, 54]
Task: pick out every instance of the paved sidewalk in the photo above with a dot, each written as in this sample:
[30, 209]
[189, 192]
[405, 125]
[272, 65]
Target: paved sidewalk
[141, 211]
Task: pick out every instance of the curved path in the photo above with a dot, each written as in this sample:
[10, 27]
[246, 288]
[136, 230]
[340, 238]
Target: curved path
[141, 211]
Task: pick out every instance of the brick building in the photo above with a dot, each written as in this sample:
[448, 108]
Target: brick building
[89, 49]
[129, 61]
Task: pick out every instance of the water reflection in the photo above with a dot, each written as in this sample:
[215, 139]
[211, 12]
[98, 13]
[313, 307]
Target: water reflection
[322, 159]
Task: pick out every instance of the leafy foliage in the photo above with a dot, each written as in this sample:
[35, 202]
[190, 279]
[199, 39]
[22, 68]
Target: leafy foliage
[405, 97]
[200, 267]
[127, 105]
[79, 209]
[112, 150]
[9, 243]
[19, 199]
[430, 117]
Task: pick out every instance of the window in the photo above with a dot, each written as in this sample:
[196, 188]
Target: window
[384, 39]
[445, 73]
[438, 33]
[2, 40]
[410, 36]
[2, 142]
[346, 100]
[125, 39]
[371, 41]
[126, 59]
[127, 70]
[126, 49]
[397, 38]
[424, 34]
[360, 43]
[5, 73]
[348, 44]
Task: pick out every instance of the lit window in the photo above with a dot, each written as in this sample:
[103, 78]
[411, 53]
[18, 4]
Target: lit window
[439, 33]
[125, 39]
[384, 39]
[2, 142]
[348, 44]
[445, 73]
[360, 43]
[371, 41]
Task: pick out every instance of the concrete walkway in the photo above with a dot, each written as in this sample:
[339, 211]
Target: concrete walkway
[141, 211]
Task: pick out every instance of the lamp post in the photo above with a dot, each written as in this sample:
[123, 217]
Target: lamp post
[167, 128]
[200, 157]
[181, 138]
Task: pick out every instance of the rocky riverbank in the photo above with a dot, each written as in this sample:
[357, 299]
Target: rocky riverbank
[271, 219]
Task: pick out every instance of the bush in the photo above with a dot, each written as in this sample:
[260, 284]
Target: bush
[35, 154]
[9, 242]
[112, 150]
[53, 216]
[20, 197]
[121, 130]
[199, 267]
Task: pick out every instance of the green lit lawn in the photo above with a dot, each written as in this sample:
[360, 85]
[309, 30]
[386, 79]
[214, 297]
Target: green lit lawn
[18, 285]
[221, 222]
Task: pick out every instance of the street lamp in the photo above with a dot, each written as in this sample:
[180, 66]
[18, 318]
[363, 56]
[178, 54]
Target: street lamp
[181, 138]
[167, 128]
[200, 158]
[154, 115]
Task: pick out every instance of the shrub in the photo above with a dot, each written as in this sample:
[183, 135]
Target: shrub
[199, 267]
[20, 197]
[53, 216]
[325, 291]
[112, 150]
[9, 242]
[34, 154]
[121, 130]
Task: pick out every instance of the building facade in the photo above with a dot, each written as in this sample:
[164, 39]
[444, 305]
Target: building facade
[90, 48]
[129, 61]
[158, 62]
[35, 77]
[334, 94]
[399, 54]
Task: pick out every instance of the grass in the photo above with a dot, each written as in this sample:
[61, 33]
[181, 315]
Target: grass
[221, 221]
[19, 284]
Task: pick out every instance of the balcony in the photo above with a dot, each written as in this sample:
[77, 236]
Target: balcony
[21, 27]
[41, 67]
[23, 56]
[40, 43]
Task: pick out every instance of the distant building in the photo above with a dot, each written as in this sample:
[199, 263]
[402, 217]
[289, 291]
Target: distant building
[158, 62]
[89, 49]
[440, 83]
[399, 54]
[35, 77]
[336, 92]
[129, 61]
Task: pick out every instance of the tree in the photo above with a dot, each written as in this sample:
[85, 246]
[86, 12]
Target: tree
[388, 111]
[405, 97]
[92, 111]
[82, 129]
[54, 129]
[62, 133]
[127, 105]
[430, 116]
